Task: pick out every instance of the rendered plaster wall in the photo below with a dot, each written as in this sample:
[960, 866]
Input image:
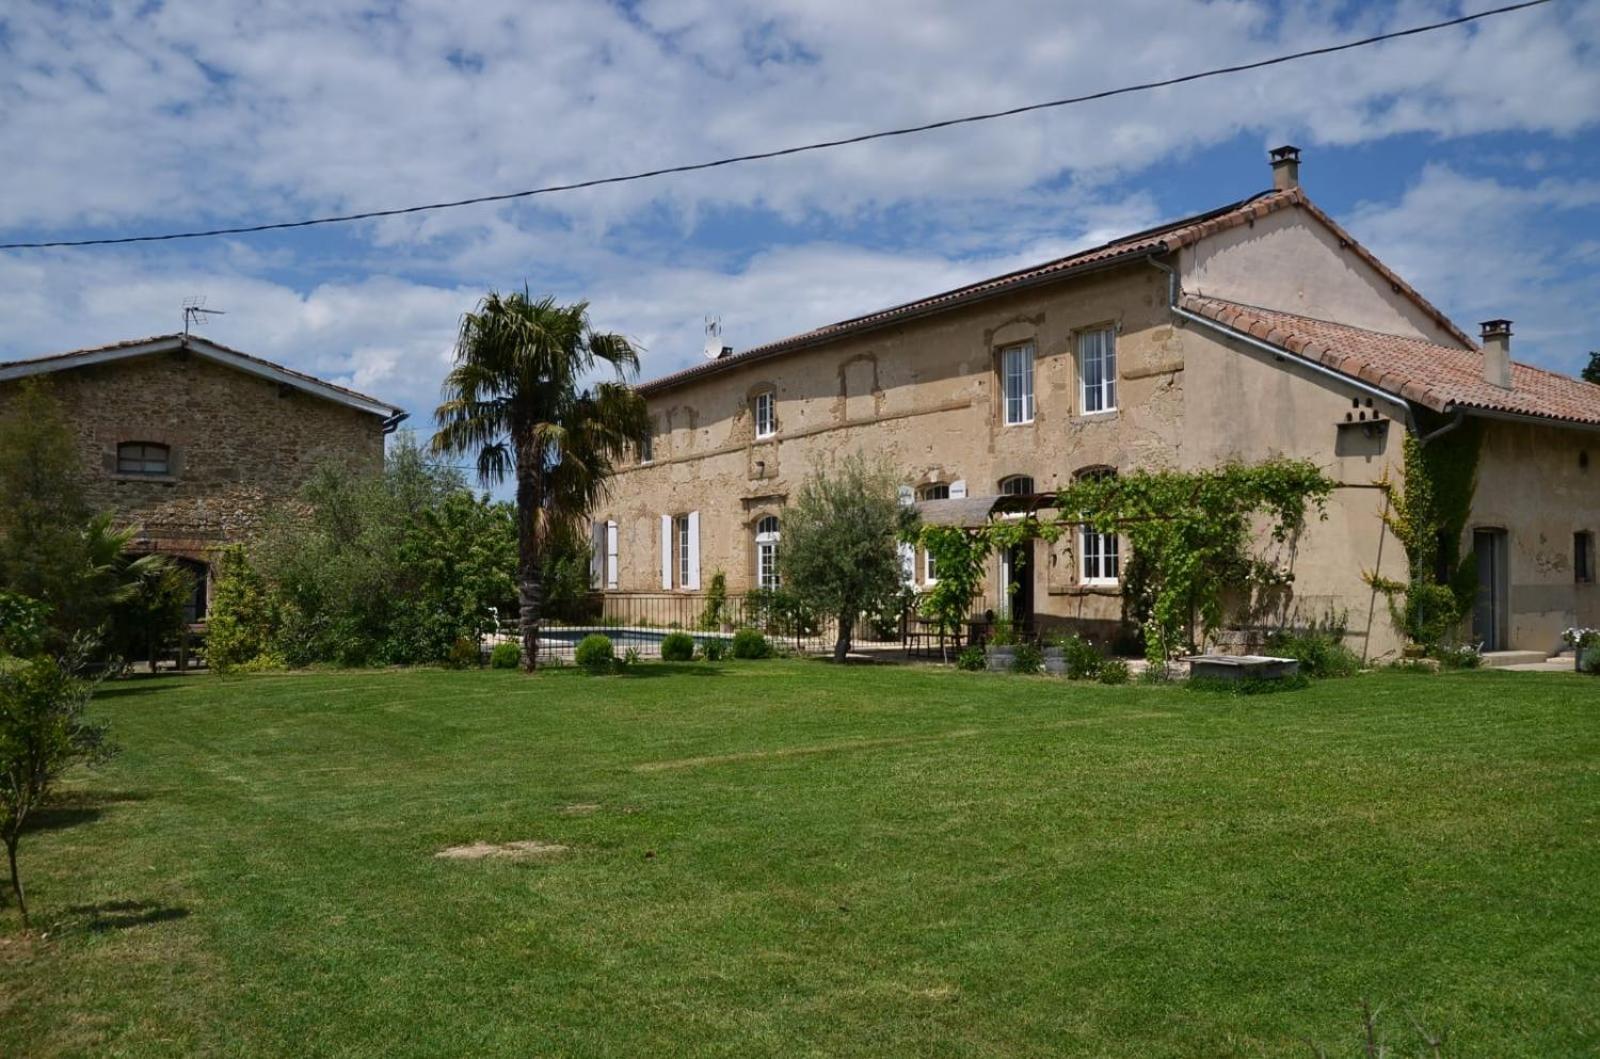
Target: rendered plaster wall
[1541, 484]
[1290, 261]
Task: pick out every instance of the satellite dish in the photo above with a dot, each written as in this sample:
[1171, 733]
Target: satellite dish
[714, 347]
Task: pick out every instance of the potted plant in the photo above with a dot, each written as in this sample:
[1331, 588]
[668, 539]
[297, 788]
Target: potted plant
[1001, 650]
[1581, 640]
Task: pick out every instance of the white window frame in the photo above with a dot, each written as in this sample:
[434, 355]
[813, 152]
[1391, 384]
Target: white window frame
[612, 565]
[929, 571]
[680, 534]
[930, 491]
[1098, 347]
[766, 411]
[1105, 549]
[767, 553]
[1016, 366]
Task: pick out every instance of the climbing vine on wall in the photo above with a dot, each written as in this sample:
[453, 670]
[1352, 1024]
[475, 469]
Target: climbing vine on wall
[1189, 531]
[1428, 516]
[959, 560]
[1192, 532]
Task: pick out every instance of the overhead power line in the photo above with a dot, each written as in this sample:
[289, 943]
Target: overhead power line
[821, 145]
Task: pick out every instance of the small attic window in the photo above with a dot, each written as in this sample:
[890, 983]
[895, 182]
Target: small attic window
[143, 457]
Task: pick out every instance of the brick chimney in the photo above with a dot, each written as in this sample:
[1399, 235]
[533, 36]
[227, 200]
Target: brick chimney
[1285, 167]
[1497, 353]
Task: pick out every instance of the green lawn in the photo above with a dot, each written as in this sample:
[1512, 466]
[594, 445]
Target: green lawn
[788, 858]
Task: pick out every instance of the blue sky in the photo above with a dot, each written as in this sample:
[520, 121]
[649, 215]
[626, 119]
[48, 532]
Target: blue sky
[1466, 159]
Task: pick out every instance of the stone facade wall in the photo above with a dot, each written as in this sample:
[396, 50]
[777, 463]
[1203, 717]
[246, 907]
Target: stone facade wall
[926, 396]
[240, 445]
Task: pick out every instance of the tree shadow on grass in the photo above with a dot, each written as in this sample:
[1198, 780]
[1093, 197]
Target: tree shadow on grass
[648, 670]
[133, 685]
[122, 915]
[77, 807]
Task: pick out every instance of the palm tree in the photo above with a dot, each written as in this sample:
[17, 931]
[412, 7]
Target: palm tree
[516, 398]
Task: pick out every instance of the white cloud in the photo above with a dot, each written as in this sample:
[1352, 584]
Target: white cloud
[1481, 249]
[228, 110]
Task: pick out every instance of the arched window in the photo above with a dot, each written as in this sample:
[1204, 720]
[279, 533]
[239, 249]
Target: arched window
[143, 457]
[1016, 485]
[936, 491]
[767, 552]
[1099, 562]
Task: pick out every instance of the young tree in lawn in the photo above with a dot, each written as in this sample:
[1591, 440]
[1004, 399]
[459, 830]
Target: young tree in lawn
[841, 543]
[516, 400]
[43, 732]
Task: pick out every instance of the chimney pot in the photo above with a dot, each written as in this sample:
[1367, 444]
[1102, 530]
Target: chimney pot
[1285, 167]
[1497, 353]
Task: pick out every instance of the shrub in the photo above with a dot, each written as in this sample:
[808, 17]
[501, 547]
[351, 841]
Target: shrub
[464, 653]
[505, 656]
[1081, 658]
[716, 609]
[1027, 659]
[1457, 656]
[1320, 653]
[677, 647]
[1589, 662]
[749, 643]
[595, 653]
[1001, 634]
[630, 657]
[1155, 674]
[713, 649]
[1114, 671]
[22, 624]
[972, 659]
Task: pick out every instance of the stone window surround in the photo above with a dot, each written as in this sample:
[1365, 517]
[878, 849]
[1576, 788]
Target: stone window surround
[108, 441]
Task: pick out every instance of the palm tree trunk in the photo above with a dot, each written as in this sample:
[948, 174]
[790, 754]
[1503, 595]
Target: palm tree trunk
[530, 575]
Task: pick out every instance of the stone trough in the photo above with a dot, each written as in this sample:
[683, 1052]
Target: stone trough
[1241, 667]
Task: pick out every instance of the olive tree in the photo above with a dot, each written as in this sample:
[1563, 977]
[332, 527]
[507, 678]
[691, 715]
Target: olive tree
[841, 538]
[44, 731]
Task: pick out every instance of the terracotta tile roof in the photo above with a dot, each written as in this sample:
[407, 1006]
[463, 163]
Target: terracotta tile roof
[1159, 240]
[1442, 378]
[164, 343]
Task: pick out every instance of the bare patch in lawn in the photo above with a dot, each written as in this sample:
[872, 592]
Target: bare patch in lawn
[526, 849]
[579, 809]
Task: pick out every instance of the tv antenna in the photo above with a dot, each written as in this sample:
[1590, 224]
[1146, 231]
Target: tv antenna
[195, 311]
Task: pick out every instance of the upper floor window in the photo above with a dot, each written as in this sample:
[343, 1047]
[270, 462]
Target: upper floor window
[1097, 369]
[936, 491]
[684, 533]
[1016, 485]
[766, 414]
[1583, 556]
[143, 457]
[767, 552]
[1016, 371]
[647, 444]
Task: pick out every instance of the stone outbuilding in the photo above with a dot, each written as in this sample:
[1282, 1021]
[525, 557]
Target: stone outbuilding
[193, 443]
[1255, 330]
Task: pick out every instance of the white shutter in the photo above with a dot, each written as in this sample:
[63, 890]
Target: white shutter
[958, 490]
[694, 552]
[908, 496]
[611, 555]
[908, 563]
[597, 552]
[666, 552]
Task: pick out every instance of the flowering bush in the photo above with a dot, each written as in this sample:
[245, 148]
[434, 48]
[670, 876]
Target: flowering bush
[1579, 637]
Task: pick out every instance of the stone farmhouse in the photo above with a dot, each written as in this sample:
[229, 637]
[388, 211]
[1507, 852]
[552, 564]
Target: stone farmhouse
[1255, 330]
[193, 443]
